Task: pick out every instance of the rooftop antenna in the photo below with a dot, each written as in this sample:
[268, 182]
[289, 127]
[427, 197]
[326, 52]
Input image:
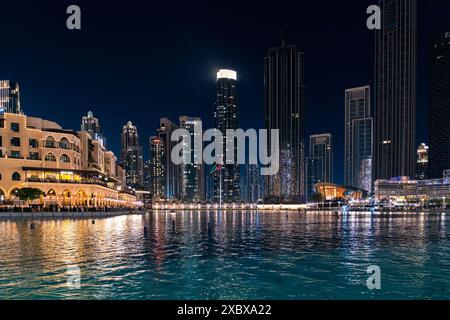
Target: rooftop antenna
[283, 42]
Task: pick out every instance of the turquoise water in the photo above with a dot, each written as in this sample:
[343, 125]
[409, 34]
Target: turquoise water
[247, 255]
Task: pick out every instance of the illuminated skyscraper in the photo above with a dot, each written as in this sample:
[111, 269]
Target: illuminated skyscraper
[358, 138]
[157, 165]
[192, 175]
[9, 97]
[171, 170]
[131, 156]
[284, 88]
[251, 181]
[395, 90]
[422, 162]
[320, 161]
[91, 124]
[226, 117]
[439, 110]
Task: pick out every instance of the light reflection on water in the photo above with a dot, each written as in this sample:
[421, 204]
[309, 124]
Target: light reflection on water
[240, 255]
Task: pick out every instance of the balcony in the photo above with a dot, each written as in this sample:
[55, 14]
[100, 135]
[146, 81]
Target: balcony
[58, 145]
[50, 180]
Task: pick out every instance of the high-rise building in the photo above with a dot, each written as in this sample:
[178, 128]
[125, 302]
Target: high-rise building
[90, 124]
[171, 170]
[251, 181]
[395, 90]
[226, 117]
[358, 138]
[147, 174]
[284, 88]
[422, 162]
[131, 156]
[439, 114]
[9, 97]
[320, 161]
[157, 165]
[193, 174]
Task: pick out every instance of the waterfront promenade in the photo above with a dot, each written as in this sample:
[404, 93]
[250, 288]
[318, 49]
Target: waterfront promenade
[66, 215]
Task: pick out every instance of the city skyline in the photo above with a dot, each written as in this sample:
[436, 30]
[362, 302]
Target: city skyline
[36, 101]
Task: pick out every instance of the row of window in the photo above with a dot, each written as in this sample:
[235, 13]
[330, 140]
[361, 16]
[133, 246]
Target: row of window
[14, 177]
[36, 156]
[15, 127]
[34, 143]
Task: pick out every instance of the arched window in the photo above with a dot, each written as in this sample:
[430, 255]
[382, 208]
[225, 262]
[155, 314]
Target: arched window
[50, 157]
[50, 142]
[64, 158]
[16, 176]
[64, 143]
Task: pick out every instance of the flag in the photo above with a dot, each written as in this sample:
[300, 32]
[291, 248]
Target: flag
[215, 169]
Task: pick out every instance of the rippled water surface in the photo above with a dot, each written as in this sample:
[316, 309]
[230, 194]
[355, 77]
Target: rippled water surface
[212, 255]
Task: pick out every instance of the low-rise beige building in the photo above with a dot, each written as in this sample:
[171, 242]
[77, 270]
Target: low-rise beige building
[70, 167]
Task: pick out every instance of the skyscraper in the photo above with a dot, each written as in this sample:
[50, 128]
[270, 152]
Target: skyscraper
[9, 97]
[131, 156]
[284, 88]
[251, 184]
[91, 124]
[226, 116]
[422, 162]
[439, 110]
[395, 90]
[147, 175]
[157, 165]
[192, 175]
[358, 138]
[171, 170]
[320, 161]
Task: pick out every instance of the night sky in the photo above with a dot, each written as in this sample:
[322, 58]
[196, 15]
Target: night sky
[142, 60]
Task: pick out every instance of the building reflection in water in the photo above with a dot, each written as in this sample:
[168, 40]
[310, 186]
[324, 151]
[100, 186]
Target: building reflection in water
[216, 254]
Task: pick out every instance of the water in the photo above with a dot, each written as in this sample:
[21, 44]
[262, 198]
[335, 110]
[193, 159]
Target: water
[227, 256]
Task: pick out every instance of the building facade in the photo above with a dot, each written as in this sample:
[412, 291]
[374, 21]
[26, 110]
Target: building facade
[69, 167]
[252, 184]
[157, 166]
[439, 115]
[284, 89]
[422, 162]
[90, 124]
[319, 167]
[395, 90]
[192, 175]
[226, 117]
[9, 97]
[131, 156]
[172, 171]
[358, 138]
[403, 189]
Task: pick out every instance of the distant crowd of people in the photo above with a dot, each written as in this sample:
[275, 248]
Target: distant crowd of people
[55, 208]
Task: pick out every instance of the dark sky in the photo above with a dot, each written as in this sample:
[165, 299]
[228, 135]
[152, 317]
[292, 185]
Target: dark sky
[142, 60]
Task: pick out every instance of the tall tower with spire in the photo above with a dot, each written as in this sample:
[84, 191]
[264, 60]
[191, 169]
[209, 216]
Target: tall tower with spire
[131, 156]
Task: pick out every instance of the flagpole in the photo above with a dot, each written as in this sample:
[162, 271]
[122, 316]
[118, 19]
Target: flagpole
[220, 189]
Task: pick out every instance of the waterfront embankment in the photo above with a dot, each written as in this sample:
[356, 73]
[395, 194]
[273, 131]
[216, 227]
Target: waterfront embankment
[64, 215]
